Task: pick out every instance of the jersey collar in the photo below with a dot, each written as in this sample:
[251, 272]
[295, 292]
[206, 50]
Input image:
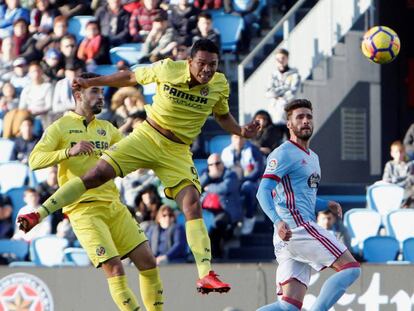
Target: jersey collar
[77, 116]
[300, 147]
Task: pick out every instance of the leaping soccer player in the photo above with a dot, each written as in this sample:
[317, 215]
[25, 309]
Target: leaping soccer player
[187, 93]
[103, 225]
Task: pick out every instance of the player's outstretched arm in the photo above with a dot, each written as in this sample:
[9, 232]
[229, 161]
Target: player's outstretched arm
[118, 79]
[228, 123]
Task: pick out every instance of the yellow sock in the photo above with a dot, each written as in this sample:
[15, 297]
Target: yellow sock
[123, 297]
[151, 289]
[199, 242]
[65, 195]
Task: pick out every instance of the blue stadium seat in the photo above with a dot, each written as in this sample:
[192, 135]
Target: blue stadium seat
[48, 250]
[39, 176]
[131, 54]
[13, 175]
[200, 165]
[6, 147]
[77, 25]
[384, 198]
[230, 28]
[16, 197]
[14, 249]
[77, 256]
[356, 221]
[400, 224]
[105, 69]
[380, 249]
[408, 250]
[218, 143]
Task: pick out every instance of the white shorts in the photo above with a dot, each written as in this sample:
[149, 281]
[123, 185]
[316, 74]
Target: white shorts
[310, 246]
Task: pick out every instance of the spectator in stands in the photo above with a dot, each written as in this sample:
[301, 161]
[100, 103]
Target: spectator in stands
[125, 102]
[52, 40]
[409, 142]
[37, 96]
[167, 238]
[8, 99]
[114, 21]
[180, 52]
[6, 210]
[329, 221]
[220, 196]
[183, 18]
[12, 121]
[46, 189]
[399, 171]
[10, 12]
[247, 161]
[142, 18]
[134, 183]
[25, 142]
[270, 136]
[23, 42]
[52, 65]
[147, 204]
[64, 230]
[18, 77]
[246, 9]
[41, 18]
[94, 48]
[7, 56]
[72, 8]
[159, 42]
[62, 96]
[205, 5]
[205, 30]
[68, 48]
[282, 89]
[31, 198]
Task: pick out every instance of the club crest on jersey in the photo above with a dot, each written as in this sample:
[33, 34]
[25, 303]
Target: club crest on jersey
[204, 91]
[101, 132]
[100, 250]
[272, 165]
[313, 180]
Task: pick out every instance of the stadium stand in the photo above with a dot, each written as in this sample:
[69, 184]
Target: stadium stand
[380, 249]
[356, 220]
[408, 250]
[14, 250]
[6, 147]
[13, 175]
[384, 198]
[48, 250]
[218, 143]
[76, 256]
[399, 224]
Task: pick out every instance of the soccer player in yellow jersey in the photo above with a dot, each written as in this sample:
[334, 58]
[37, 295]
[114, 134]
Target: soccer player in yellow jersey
[103, 225]
[187, 93]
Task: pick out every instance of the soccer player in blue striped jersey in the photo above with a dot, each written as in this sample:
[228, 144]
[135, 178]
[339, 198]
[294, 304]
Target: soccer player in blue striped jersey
[287, 194]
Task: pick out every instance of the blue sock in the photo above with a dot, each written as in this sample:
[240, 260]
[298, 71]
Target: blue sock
[279, 306]
[334, 288]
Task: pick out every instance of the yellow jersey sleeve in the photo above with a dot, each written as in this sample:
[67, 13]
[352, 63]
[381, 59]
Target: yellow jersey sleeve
[47, 151]
[222, 105]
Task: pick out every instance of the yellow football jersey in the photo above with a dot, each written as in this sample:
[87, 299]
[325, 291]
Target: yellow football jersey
[63, 134]
[177, 107]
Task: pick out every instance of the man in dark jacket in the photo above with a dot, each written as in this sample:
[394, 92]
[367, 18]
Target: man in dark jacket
[222, 197]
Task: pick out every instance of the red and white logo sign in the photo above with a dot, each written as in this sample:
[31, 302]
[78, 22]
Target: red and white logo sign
[22, 291]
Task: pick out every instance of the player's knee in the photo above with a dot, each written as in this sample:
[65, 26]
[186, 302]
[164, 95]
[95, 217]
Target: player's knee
[113, 268]
[192, 209]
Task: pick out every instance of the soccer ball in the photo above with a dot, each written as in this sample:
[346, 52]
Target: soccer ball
[380, 44]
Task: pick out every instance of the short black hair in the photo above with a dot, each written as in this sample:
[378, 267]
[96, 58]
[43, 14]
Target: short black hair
[205, 15]
[204, 45]
[297, 103]
[94, 22]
